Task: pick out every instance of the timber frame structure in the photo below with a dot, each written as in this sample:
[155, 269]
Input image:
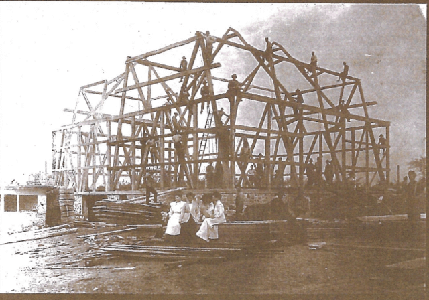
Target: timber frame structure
[126, 127]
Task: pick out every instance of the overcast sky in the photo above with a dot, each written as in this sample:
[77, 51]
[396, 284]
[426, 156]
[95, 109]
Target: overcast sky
[49, 49]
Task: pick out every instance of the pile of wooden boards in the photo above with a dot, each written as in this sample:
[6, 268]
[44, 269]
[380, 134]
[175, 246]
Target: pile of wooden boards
[124, 212]
[132, 211]
[66, 203]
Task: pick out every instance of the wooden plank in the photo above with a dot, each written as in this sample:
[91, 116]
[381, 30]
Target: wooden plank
[159, 51]
[93, 84]
[167, 78]
[313, 109]
[111, 95]
[146, 62]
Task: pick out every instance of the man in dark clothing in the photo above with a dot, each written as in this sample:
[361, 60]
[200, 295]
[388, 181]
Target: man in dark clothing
[411, 192]
[175, 122]
[313, 64]
[309, 169]
[233, 88]
[239, 204]
[298, 99]
[218, 175]
[150, 188]
[344, 73]
[268, 50]
[204, 95]
[280, 173]
[183, 66]
[382, 143]
[180, 153]
[184, 97]
[318, 171]
[209, 176]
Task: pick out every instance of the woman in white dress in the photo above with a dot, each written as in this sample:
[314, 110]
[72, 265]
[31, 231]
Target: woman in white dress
[176, 214]
[208, 230]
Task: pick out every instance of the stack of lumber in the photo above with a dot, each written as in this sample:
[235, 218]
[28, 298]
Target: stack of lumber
[66, 202]
[134, 211]
[131, 211]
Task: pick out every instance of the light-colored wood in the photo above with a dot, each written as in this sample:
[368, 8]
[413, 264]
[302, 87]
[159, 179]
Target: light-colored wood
[167, 78]
[127, 155]
[146, 62]
[159, 51]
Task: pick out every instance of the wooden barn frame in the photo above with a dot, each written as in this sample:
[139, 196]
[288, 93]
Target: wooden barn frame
[127, 129]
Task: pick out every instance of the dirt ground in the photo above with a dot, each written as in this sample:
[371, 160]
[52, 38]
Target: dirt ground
[332, 264]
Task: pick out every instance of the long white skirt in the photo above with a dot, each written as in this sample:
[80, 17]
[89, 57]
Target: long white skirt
[173, 225]
[208, 230]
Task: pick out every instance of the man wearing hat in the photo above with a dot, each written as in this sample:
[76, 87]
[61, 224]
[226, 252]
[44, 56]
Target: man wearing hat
[175, 122]
[382, 142]
[233, 87]
[150, 187]
[344, 73]
[204, 95]
[183, 66]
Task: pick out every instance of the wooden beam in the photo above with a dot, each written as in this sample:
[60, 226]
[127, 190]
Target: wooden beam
[159, 51]
[155, 64]
[92, 84]
[167, 78]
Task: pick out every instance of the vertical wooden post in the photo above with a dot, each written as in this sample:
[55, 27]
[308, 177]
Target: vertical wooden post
[398, 177]
[233, 116]
[195, 143]
[109, 157]
[343, 149]
[94, 158]
[79, 164]
[170, 162]
[162, 147]
[268, 170]
[387, 156]
[176, 167]
[353, 139]
[149, 87]
[301, 161]
[133, 155]
[367, 160]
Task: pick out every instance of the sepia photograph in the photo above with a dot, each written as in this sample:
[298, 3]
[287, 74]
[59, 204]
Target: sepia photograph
[233, 150]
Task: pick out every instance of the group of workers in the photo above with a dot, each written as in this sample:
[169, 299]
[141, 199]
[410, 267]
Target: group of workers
[214, 175]
[256, 173]
[314, 172]
[186, 210]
